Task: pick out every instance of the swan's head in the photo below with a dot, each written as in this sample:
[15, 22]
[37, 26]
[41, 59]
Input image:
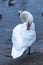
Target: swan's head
[26, 16]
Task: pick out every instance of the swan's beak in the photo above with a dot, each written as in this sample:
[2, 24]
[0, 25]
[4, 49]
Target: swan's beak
[28, 26]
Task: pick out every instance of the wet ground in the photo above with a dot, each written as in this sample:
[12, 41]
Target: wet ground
[10, 19]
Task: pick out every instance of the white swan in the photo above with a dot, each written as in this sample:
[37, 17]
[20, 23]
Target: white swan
[22, 38]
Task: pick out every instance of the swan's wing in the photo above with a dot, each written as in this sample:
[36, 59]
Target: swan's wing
[17, 42]
[16, 37]
[26, 34]
[29, 36]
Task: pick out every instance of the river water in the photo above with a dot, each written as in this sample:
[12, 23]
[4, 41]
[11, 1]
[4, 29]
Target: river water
[10, 19]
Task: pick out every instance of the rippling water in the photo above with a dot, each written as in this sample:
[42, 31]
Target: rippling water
[10, 19]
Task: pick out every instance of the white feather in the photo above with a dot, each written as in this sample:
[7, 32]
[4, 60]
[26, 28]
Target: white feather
[22, 39]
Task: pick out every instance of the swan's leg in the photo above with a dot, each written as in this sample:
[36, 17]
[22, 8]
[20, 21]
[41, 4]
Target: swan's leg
[29, 50]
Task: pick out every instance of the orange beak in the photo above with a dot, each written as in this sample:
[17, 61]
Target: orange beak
[28, 26]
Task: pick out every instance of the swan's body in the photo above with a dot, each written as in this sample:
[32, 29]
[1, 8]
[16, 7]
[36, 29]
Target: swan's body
[22, 39]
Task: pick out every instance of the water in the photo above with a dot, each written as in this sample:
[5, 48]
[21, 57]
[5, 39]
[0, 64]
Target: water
[10, 19]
